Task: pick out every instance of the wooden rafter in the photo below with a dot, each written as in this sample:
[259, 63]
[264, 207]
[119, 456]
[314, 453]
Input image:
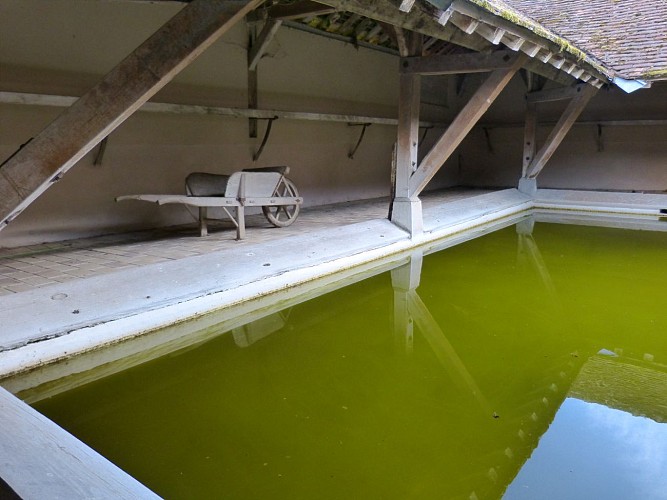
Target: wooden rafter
[295, 10]
[417, 20]
[464, 121]
[120, 93]
[562, 127]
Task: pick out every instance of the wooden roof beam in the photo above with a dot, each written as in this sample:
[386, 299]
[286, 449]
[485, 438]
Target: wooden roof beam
[296, 10]
[47, 157]
[417, 20]
[457, 63]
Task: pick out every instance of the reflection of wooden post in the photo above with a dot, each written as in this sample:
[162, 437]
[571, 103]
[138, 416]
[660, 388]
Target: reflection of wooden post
[404, 280]
[444, 351]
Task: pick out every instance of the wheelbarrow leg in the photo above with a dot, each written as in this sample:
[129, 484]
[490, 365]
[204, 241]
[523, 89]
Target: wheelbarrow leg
[240, 219]
[203, 229]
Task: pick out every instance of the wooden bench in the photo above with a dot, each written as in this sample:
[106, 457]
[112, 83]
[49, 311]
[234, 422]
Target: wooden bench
[265, 187]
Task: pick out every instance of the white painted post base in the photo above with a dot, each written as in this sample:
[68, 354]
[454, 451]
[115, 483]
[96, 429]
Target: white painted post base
[407, 214]
[528, 186]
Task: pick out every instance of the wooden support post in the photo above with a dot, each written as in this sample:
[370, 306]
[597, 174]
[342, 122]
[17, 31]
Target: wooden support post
[406, 211]
[563, 126]
[529, 136]
[464, 121]
[404, 281]
[120, 93]
[252, 81]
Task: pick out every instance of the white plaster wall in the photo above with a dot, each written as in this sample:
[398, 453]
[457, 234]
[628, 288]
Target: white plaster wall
[633, 158]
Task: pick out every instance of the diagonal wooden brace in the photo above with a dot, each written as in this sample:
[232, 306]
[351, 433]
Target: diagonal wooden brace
[562, 127]
[462, 124]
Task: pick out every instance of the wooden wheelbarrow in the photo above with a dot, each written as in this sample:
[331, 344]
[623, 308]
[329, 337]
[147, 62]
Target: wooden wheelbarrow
[265, 187]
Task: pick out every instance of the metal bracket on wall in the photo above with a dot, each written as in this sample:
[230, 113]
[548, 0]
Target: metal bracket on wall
[487, 135]
[600, 140]
[267, 133]
[100, 151]
[364, 126]
[426, 129]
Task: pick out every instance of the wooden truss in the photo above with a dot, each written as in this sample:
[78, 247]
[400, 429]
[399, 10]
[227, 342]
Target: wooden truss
[533, 160]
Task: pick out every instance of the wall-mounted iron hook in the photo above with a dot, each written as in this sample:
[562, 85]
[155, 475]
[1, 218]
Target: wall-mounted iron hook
[100, 152]
[267, 133]
[364, 126]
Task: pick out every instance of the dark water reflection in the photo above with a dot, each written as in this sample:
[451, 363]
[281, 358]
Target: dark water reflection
[530, 363]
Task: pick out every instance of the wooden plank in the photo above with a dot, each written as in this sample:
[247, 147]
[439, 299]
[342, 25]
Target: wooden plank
[563, 126]
[457, 63]
[195, 201]
[120, 93]
[263, 40]
[39, 459]
[557, 94]
[155, 107]
[464, 121]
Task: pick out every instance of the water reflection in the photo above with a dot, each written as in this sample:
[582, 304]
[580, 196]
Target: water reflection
[493, 368]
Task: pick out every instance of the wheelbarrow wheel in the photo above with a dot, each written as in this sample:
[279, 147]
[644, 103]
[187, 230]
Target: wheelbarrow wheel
[283, 215]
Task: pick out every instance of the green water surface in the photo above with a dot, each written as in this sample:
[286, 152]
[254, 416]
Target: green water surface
[525, 366]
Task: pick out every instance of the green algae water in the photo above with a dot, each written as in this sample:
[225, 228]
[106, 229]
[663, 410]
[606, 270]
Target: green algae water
[528, 363]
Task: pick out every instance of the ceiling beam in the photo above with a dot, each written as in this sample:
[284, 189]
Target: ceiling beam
[296, 10]
[46, 158]
[558, 94]
[457, 63]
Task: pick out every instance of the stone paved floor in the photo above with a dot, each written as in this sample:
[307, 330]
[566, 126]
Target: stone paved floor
[26, 268]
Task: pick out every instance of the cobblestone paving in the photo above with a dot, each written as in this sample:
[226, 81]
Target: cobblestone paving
[35, 266]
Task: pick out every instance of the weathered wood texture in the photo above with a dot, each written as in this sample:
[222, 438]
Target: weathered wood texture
[457, 63]
[296, 10]
[416, 20]
[464, 121]
[38, 459]
[408, 121]
[120, 93]
[557, 94]
[563, 126]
